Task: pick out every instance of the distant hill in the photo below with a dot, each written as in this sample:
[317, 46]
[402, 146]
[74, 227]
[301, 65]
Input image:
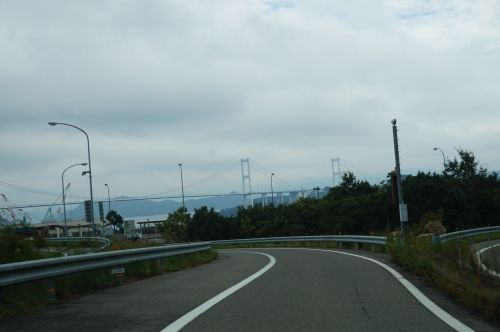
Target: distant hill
[147, 207]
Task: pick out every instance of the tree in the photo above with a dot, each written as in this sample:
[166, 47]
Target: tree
[114, 218]
[174, 228]
[466, 168]
[208, 225]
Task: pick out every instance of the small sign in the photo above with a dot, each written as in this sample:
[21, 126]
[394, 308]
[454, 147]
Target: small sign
[403, 212]
[118, 271]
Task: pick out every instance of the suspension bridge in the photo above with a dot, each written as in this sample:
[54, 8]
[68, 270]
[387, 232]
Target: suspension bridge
[285, 193]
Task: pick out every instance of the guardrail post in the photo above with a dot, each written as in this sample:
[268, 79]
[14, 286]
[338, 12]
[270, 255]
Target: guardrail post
[324, 244]
[185, 257]
[436, 240]
[230, 246]
[307, 244]
[340, 245]
[50, 289]
[489, 234]
[288, 244]
[251, 245]
[160, 265]
[357, 246]
[472, 239]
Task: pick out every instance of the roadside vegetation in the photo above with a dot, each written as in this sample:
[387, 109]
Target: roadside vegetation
[452, 268]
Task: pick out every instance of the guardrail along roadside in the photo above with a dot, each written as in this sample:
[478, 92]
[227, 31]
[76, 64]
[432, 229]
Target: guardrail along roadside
[49, 268]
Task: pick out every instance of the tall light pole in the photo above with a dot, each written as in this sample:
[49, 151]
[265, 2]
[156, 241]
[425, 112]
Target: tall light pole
[83, 173]
[182, 186]
[64, 198]
[109, 203]
[272, 192]
[444, 162]
[403, 210]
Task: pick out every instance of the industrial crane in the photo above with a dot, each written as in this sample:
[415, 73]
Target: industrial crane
[49, 211]
[10, 208]
[26, 215]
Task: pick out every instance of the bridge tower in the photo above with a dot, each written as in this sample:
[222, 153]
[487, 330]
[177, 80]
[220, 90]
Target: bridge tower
[338, 169]
[247, 198]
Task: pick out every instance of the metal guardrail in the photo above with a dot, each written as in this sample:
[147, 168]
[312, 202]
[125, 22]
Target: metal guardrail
[357, 238]
[15, 273]
[106, 242]
[320, 238]
[471, 233]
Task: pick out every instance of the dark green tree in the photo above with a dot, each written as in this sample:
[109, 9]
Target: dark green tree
[114, 218]
[174, 228]
[208, 225]
[466, 167]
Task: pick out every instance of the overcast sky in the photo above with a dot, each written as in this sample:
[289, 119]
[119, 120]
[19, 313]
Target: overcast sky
[289, 85]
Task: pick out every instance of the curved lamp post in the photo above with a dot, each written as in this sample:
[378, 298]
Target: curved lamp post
[182, 185]
[444, 162]
[64, 198]
[272, 192]
[109, 202]
[83, 173]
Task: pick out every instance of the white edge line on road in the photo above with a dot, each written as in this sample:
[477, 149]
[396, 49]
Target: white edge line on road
[187, 318]
[478, 256]
[426, 302]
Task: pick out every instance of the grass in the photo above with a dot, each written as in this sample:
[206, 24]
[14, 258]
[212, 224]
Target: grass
[31, 296]
[451, 268]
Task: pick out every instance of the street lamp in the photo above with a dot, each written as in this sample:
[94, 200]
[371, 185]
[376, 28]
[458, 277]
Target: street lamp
[272, 192]
[89, 171]
[64, 198]
[444, 162]
[109, 202]
[182, 185]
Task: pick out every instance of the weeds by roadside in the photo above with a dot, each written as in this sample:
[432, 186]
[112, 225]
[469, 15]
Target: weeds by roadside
[450, 267]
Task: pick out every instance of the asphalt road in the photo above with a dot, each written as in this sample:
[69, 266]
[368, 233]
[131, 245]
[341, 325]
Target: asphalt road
[305, 290]
[491, 255]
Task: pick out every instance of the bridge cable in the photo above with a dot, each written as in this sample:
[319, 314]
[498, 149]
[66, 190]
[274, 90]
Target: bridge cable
[285, 184]
[364, 173]
[322, 170]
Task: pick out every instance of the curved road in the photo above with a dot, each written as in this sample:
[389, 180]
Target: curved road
[304, 290]
[492, 254]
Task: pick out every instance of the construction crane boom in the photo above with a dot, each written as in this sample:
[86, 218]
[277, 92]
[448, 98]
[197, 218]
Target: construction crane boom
[9, 207]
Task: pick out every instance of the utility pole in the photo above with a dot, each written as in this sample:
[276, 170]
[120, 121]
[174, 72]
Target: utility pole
[403, 210]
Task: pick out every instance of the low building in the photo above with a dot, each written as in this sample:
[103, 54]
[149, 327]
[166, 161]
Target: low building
[76, 228]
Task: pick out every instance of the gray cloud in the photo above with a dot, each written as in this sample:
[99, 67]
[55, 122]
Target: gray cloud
[290, 85]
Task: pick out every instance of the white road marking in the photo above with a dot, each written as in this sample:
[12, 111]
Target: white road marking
[187, 318]
[478, 256]
[424, 300]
